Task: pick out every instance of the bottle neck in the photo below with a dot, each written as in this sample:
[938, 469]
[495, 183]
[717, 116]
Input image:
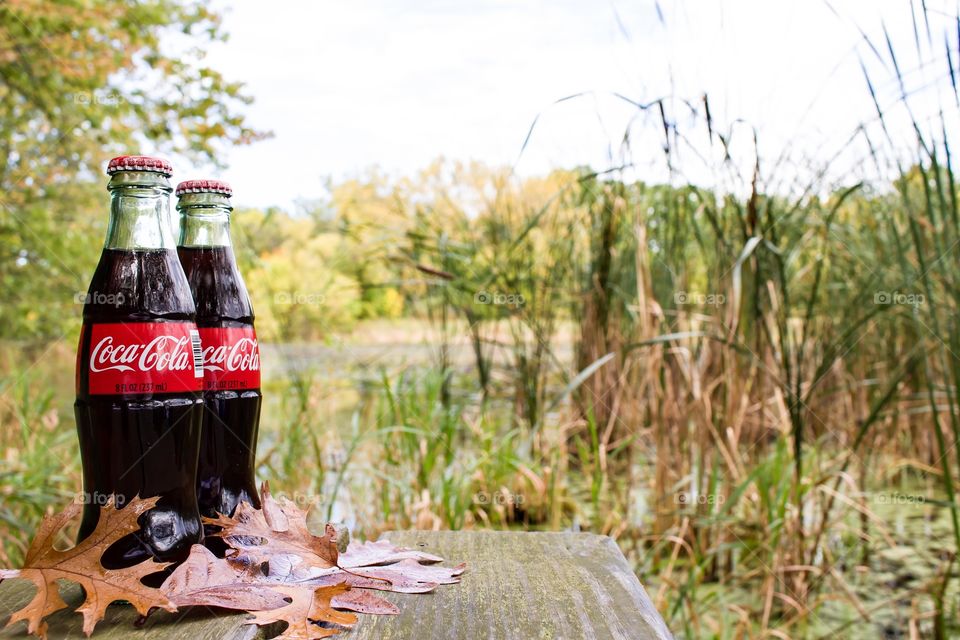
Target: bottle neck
[139, 211]
[204, 220]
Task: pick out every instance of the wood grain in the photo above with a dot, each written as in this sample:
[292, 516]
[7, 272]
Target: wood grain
[518, 586]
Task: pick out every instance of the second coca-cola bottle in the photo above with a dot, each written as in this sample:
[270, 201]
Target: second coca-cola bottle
[139, 373]
[231, 355]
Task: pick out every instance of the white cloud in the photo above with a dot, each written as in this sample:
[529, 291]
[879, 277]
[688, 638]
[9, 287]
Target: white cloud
[347, 85]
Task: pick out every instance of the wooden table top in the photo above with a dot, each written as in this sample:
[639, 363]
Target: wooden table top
[518, 586]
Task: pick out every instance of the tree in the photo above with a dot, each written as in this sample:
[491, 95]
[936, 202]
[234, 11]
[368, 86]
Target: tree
[80, 81]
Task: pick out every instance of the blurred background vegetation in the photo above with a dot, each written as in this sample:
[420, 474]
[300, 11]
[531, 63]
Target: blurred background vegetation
[755, 392]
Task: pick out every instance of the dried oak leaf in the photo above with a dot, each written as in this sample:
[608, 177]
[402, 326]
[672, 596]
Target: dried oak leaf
[371, 565]
[366, 554]
[280, 528]
[306, 607]
[406, 576]
[277, 538]
[364, 601]
[45, 565]
[206, 580]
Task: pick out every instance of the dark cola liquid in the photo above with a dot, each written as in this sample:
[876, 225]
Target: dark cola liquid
[142, 444]
[226, 471]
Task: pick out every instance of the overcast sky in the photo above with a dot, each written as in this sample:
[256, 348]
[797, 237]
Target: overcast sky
[348, 85]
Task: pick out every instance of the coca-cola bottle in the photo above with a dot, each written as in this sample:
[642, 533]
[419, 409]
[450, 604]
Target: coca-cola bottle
[231, 355]
[139, 373]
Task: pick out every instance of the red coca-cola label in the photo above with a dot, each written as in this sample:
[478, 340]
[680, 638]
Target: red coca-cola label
[231, 358]
[144, 357]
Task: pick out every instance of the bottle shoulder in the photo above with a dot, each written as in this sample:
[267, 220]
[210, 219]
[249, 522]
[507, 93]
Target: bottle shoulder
[138, 286]
[218, 289]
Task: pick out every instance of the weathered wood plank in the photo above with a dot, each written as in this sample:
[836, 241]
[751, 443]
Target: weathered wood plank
[522, 586]
[517, 586]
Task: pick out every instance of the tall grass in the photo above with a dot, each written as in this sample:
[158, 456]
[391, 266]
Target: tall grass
[39, 463]
[730, 380]
[744, 364]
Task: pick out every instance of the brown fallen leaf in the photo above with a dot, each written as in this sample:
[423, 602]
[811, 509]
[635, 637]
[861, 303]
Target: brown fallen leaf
[278, 571]
[280, 528]
[206, 580]
[364, 601]
[366, 554]
[406, 576]
[369, 565]
[306, 607]
[45, 565]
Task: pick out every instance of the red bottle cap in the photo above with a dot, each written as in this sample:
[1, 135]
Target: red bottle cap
[139, 163]
[204, 186]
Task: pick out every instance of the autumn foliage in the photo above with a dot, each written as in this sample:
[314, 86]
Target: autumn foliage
[275, 569]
